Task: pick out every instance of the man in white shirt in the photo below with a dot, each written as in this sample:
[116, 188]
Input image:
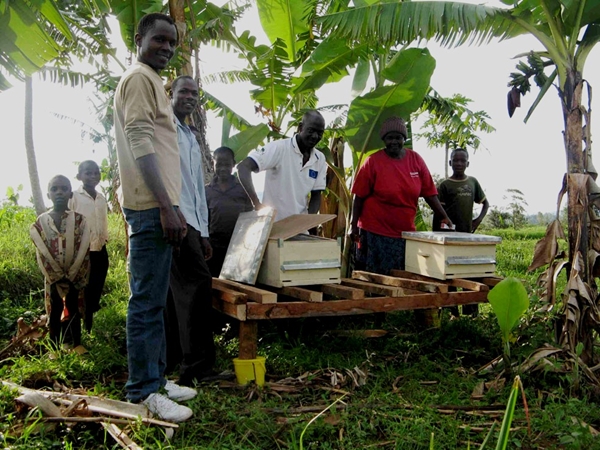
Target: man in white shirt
[294, 169]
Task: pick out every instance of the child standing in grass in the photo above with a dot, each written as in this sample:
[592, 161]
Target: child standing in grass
[62, 240]
[457, 195]
[93, 206]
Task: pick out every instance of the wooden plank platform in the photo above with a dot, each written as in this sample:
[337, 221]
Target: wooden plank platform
[402, 291]
[253, 293]
[364, 293]
[302, 293]
[408, 283]
[337, 290]
[288, 310]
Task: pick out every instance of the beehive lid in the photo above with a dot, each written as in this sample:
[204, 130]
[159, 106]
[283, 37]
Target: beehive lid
[247, 246]
[450, 237]
[297, 223]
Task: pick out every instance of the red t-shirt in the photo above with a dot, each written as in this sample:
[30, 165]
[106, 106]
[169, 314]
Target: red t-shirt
[391, 189]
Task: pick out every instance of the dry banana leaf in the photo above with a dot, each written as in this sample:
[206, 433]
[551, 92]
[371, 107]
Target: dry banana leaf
[539, 359]
[546, 249]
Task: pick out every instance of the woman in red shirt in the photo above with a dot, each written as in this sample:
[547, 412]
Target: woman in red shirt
[386, 194]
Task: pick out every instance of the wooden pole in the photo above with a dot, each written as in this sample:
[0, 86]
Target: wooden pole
[248, 339]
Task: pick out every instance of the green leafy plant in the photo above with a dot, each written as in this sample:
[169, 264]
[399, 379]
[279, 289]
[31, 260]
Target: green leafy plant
[509, 301]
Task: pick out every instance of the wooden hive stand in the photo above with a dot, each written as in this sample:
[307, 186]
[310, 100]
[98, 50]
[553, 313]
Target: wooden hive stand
[364, 293]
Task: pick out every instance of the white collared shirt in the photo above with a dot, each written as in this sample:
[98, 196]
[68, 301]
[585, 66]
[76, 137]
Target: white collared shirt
[95, 212]
[288, 182]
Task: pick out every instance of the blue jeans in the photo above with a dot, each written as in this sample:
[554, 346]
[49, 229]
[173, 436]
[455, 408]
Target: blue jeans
[149, 266]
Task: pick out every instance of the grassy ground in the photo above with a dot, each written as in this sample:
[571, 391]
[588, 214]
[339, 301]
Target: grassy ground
[393, 392]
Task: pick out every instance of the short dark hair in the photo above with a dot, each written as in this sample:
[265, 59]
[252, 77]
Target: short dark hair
[177, 80]
[226, 150]
[58, 177]
[460, 149]
[147, 22]
[86, 163]
[312, 113]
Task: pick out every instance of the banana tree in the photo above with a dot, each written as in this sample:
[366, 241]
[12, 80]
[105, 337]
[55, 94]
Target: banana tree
[47, 36]
[30, 36]
[300, 60]
[567, 30]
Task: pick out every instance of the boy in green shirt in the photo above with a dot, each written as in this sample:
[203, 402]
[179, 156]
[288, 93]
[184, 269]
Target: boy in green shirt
[457, 195]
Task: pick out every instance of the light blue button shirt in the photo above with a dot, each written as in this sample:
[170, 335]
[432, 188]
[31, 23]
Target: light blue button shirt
[193, 198]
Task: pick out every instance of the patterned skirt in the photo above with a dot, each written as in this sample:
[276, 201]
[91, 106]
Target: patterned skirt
[379, 254]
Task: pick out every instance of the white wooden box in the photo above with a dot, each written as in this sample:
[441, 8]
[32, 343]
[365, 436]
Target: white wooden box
[296, 259]
[445, 255]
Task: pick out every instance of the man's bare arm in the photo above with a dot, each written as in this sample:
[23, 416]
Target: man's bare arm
[484, 210]
[315, 202]
[434, 203]
[245, 169]
[357, 207]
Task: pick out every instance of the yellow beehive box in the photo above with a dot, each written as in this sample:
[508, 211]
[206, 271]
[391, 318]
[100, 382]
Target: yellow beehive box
[293, 258]
[446, 255]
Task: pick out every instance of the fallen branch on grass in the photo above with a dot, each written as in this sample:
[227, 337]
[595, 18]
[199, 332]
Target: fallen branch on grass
[442, 409]
[98, 405]
[75, 406]
[95, 419]
[301, 409]
[120, 436]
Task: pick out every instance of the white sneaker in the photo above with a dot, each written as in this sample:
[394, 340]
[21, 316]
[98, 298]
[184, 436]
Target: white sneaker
[166, 409]
[179, 393]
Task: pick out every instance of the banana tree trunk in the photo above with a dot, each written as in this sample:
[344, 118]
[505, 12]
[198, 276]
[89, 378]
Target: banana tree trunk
[578, 322]
[34, 177]
[330, 200]
[198, 118]
[177, 11]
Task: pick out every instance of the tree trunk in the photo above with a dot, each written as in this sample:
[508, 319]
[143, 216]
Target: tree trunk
[34, 178]
[573, 135]
[330, 203]
[578, 322]
[198, 118]
[177, 11]
[446, 160]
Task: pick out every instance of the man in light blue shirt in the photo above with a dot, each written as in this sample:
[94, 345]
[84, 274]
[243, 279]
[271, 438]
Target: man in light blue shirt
[189, 336]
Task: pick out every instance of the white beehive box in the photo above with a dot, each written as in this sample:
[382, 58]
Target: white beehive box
[446, 255]
[296, 259]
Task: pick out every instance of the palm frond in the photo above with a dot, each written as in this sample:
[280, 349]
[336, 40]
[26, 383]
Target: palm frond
[273, 76]
[66, 77]
[227, 77]
[449, 23]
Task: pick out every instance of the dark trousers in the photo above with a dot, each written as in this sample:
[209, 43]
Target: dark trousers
[93, 291]
[189, 312]
[215, 264]
[220, 321]
[69, 330]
